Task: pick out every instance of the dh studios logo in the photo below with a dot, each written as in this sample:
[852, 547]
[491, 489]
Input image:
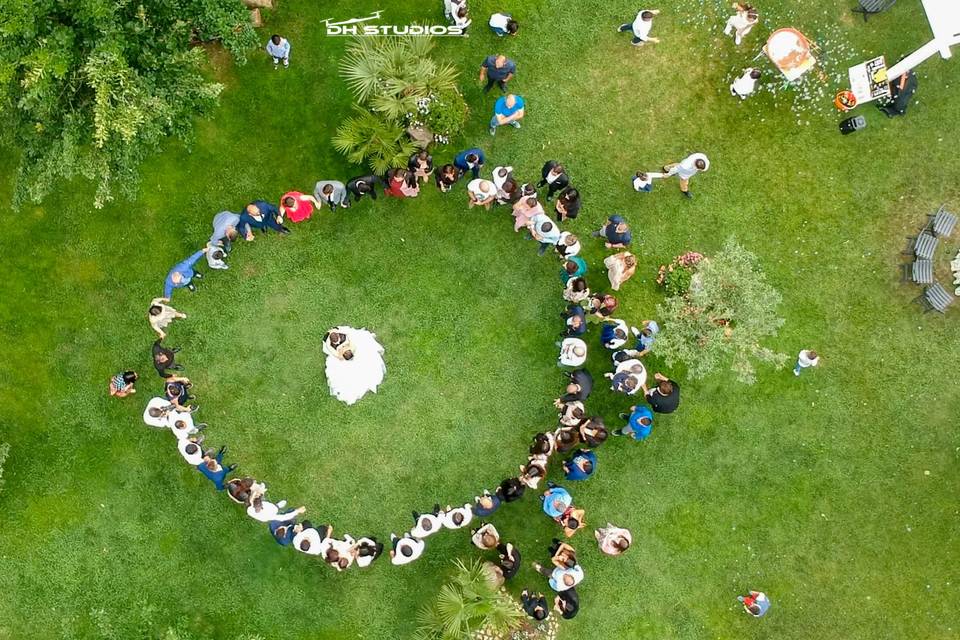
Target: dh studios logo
[363, 27]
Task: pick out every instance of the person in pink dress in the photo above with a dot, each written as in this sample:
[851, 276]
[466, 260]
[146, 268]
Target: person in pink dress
[297, 206]
[524, 211]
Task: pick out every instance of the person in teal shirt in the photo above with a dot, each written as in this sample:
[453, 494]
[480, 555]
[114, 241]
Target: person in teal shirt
[507, 110]
[573, 267]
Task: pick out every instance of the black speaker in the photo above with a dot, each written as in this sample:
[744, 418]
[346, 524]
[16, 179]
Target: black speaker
[850, 125]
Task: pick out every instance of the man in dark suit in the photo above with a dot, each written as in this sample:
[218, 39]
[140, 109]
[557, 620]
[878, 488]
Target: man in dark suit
[554, 176]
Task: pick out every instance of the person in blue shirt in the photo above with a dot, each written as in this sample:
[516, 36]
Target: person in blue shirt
[575, 320]
[486, 504]
[646, 337]
[284, 531]
[212, 467]
[182, 275]
[507, 110]
[616, 231]
[573, 267]
[556, 500]
[639, 423]
[261, 215]
[581, 465]
[470, 160]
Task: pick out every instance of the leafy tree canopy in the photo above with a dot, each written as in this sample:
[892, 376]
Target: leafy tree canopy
[88, 87]
[722, 318]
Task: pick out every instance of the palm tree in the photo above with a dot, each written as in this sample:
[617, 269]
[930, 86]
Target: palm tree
[470, 601]
[365, 137]
[391, 74]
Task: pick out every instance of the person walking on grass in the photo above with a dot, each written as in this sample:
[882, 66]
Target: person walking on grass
[643, 180]
[641, 26]
[509, 109]
[279, 49]
[686, 169]
[225, 229]
[665, 397]
[746, 84]
[212, 467]
[182, 275]
[805, 359]
[497, 69]
[573, 267]
[613, 541]
[161, 315]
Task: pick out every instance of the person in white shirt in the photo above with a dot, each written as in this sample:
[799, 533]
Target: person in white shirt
[461, 19]
[368, 550]
[406, 549]
[485, 537]
[746, 84]
[806, 358]
[641, 26]
[311, 540]
[264, 511]
[482, 193]
[340, 554]
[686, 169]
[451, 7]
[155, 414]
[573, 352]
[503, 24]
[457, 517]
[215, 256]
[181, 424]
[568, 245]
[643, 180]
[426, 524]
[279, 50]
[500, 176]
[576, 290]
[191, 450]
[741, 22]
[614, 333]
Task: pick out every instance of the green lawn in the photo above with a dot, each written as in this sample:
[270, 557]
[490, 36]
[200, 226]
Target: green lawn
[835, 493]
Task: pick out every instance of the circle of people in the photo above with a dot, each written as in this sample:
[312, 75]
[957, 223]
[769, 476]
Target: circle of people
[577, 433]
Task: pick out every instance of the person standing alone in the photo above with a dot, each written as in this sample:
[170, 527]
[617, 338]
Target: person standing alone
[279, 50]
[509, 109]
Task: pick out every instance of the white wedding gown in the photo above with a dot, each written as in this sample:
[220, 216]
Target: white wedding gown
[350, 380]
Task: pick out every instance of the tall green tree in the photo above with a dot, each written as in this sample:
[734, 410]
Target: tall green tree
[724, 316]
[89, 87]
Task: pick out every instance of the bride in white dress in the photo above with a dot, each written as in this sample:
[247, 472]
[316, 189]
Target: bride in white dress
[354, 363]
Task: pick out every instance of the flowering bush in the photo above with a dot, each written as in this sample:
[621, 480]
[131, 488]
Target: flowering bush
[676, 277]
[443, 114]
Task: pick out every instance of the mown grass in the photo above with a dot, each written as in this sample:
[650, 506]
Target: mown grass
[815, 490]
